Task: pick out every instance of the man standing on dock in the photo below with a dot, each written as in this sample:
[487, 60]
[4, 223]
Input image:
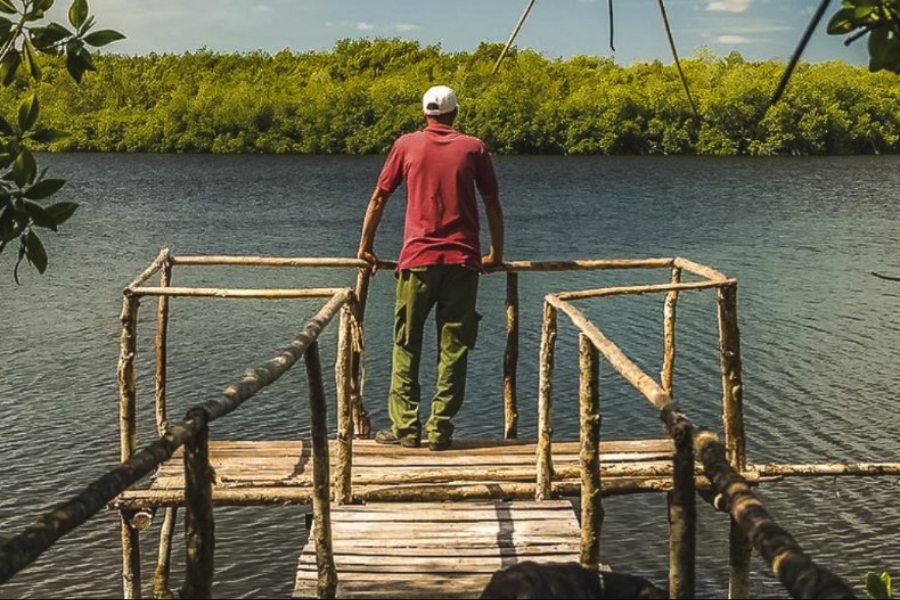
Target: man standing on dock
[439, 263]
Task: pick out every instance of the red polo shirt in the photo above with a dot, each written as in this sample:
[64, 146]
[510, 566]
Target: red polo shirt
[442, 168]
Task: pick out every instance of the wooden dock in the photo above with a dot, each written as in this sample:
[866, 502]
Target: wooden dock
[280, 472]
[438, 549]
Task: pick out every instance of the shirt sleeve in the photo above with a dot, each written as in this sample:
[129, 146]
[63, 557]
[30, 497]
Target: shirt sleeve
[392, 173]
[486, 178]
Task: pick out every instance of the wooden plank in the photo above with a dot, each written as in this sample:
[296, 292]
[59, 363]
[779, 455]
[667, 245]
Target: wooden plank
[439, 550]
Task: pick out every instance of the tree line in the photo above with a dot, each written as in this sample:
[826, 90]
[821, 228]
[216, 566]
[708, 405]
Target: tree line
[357, 97]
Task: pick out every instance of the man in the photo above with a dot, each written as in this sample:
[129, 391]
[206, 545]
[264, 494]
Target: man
[439, 263]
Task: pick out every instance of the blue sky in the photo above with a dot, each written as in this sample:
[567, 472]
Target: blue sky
[758, 29]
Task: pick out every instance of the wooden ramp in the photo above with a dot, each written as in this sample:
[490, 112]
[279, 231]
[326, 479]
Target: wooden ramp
[438, 549]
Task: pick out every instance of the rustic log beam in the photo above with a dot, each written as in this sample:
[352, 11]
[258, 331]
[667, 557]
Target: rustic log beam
[545, 405]
[343, 472]
[362, 424]
[589, 458]
[617, 359]
[682, 506]
[131, 557]
[162, 589]
[698, 269]
[511, 358]
[318, 406]
[199, 522]
[732, 378]
[163, 258]
[257, 294]
[162, 334]
[802, 577]
[256, 379]
[669, 313]
[270, 261]
[827, 470]
[636, 290]
[588, 264]
[127, 377]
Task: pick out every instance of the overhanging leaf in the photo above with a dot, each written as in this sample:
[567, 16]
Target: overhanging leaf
[48, 136]
[878, 587]
[44, 189]
[29, 111]
[62, 211]
[35, 252]
[78, 13]
[103, 37]
[24, 169]
[39, 216]
[9, 66]
[841, 22]
[5, 127]
[31, 58]
[7, 7]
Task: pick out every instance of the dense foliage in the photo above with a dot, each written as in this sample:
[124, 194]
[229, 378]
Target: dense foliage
[358, 97]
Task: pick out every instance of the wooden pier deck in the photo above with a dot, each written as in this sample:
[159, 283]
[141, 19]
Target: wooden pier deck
[438, 549]
[280, 472]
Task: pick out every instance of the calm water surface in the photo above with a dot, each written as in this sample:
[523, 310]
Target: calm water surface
[820, 336]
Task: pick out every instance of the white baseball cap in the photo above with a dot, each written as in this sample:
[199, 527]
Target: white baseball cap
[439, 100]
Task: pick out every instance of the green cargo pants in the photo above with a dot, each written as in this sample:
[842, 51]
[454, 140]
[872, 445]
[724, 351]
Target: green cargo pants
[453, 289]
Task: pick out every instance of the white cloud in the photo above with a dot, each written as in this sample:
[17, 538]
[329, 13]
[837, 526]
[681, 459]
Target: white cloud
[262, 8]
[734, 6]
[731, 39]
[403, 27]
[357, 25]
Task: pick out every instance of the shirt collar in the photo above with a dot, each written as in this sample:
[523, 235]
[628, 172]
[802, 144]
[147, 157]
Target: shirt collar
[439, 128]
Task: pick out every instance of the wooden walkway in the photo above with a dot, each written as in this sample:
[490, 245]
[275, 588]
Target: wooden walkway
[280, 472]
[438, 549]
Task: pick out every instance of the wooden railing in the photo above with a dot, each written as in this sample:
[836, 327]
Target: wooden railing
[725, 465]
[193, 434]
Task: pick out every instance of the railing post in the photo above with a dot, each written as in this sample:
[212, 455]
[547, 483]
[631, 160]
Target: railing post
[362, 425]
[543, 489]
[161, 586]
[327, 580]
[591, 498]
[740, 548]
[343, 492]
[199, 523]
[131, 547]
[131, 556]
[682, 507]
[669, 310]
[162, 333]
[511, 358]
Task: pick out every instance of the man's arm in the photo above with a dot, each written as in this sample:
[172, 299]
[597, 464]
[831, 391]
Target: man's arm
[494, 213]
[370, 226]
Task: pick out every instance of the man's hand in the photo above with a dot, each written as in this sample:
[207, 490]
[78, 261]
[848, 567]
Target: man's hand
[369, 257]
[491, 262]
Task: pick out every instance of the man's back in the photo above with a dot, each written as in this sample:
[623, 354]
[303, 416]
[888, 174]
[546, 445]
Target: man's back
[442, 168]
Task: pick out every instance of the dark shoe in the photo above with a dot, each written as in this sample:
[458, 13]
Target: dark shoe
[439, 445]
[387, 436]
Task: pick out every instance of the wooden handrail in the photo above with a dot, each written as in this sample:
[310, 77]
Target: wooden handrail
[25, 547]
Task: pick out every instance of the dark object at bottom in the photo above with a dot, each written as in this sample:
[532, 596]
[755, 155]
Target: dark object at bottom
[569, 580]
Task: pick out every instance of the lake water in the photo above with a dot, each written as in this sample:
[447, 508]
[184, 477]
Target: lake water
[820, 336]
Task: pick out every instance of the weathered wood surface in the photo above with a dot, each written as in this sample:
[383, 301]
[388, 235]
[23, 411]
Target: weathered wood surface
[438, 550]
[246, 472]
